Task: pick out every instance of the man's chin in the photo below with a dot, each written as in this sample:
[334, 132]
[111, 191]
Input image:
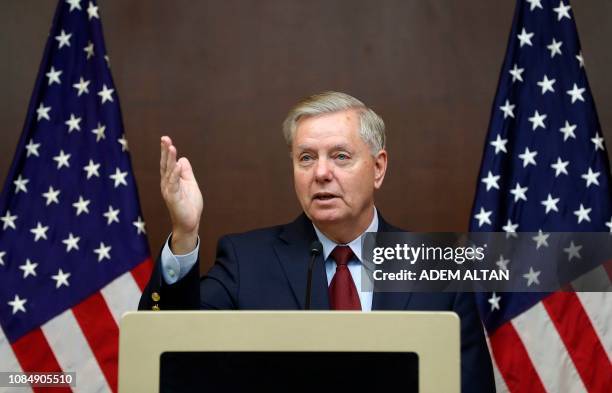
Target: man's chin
[325, 217]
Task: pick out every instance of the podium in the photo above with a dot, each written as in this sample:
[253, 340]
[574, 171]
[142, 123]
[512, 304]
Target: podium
[373, 349]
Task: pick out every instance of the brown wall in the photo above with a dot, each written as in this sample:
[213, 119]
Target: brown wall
[219, 76]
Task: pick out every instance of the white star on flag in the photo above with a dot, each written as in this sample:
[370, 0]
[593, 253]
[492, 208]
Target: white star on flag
[499, 144]
[541, 239]
[62, 159]
[491, 181]
[562, 11]
[568, 131]
[40, 232]
[89, 49]
[54, 76]
[123, 142]
[119, 177]
[74, 4]
[18, 304]
[560, 167]
[81, 205]
[92, 169]
[71, 242]
[555, 48]
[73, 123]
[8, 220]
[92, 11]
[21, 184]
[483, 217]
[43, 112]
[140, 226]
[528, 157]
[534, 3]
[2, 254]
[106, 94]
[494, 301]
[29, 268]
[510, 229]
[516, 73]
[583, 214]
[82, 86]
[598, 142]
[573, 251]
[525, 38]
[537, 120]
[51, 196]
[63, 39]
[591, 178]
[32, 149]
[576, 93]
[532, 277]
[580, 60]
[508, 109]
[112, 215]
[502, 263]
[99, 132]
[103, 252]
[550, 203]
[519, 192]
[61, 278]
[547, 84]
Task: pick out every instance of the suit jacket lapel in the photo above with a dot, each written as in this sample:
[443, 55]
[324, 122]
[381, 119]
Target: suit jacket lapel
[293, 251]
[389, 300]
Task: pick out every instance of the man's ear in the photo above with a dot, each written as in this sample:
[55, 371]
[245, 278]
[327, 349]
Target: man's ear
[380, 168]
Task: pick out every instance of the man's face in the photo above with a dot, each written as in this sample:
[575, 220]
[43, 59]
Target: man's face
[334, 172]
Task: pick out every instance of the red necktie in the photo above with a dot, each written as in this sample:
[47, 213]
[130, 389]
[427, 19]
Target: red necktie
[342, 291]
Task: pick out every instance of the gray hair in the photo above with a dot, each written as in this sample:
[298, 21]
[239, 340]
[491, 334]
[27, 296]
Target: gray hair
[371, 127]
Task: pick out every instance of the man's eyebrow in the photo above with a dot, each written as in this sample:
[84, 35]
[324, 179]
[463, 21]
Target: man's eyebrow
[303, 147]
[339, 146]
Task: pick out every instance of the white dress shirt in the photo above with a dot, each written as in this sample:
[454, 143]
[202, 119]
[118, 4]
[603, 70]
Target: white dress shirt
[354, 265]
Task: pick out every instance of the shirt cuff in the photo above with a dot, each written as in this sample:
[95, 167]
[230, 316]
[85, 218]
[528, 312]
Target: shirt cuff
[175, 267]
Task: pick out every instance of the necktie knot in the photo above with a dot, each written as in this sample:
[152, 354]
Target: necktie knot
[342, 255]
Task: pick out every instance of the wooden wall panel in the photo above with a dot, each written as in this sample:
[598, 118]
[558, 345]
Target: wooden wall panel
[219, 77]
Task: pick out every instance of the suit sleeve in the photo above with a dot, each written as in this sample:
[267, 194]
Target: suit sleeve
[476, 367]
[217, 290]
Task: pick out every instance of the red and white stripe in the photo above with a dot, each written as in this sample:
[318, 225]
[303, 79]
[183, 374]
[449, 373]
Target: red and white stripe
[500, 384]
[83, 339]
[562, 344]
[8, 361]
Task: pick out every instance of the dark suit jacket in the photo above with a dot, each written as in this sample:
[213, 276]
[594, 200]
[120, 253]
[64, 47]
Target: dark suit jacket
[266, 269]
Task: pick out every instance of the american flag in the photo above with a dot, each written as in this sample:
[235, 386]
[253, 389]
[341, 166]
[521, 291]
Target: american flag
[73, 249]
[545, 168]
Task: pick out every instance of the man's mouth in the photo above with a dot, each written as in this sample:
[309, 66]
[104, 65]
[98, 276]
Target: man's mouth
[323, 196]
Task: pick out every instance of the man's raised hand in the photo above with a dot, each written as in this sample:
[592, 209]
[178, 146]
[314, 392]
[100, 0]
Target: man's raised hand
[182, 196]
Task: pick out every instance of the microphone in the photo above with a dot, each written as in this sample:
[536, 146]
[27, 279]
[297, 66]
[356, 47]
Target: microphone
[316, 248]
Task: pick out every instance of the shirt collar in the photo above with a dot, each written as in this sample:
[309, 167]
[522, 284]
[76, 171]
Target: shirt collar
[355, 244]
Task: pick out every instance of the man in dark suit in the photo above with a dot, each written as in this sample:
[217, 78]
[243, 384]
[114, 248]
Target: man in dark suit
[337, 147]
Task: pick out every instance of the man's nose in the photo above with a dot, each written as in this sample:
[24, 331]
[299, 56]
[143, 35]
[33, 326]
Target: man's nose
[323, 170]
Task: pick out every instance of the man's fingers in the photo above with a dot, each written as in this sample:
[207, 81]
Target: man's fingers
[173, 179]
[164, 144]
[162, 160]
[170, 161]
[187, 172]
